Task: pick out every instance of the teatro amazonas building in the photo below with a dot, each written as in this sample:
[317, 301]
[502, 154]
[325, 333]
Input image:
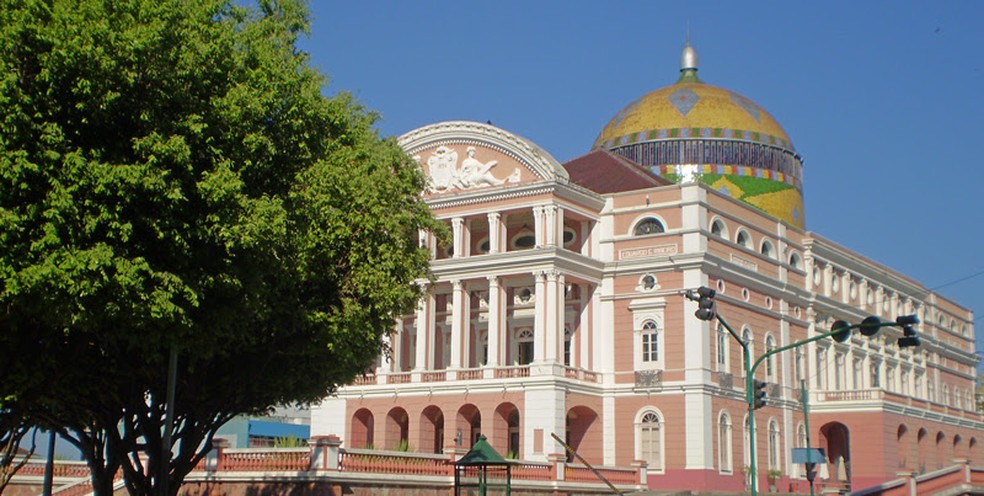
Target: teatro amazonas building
[558, 307]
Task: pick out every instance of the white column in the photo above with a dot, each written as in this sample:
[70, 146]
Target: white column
[587, 237]
[550, 213]
[423, 351]
[466, 328]
[828, 279]
[538, 225]
[458, 230]
[495, 231]
[559, 223]
[539, 317]
[555, 316]
[495, 323]
[457, 323]
[396, 343]
[586, 329]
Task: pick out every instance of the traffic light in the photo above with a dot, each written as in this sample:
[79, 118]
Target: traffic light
[758, 393]
[909, 337]
[842, 335]
[706, 309]
[870, 326]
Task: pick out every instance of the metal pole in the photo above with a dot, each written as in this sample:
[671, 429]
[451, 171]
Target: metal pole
[749, 400]
[172, 374]
[806, 422]
[49, 465]
[586, 464]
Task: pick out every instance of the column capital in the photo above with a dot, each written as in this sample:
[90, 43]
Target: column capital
[457, 284]
[493, 280]
[494, 216]
[458, 220]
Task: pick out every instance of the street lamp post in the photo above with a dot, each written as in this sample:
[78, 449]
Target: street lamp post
[840, 331]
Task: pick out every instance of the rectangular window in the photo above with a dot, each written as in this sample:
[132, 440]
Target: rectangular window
[650, 350]
[525, 353]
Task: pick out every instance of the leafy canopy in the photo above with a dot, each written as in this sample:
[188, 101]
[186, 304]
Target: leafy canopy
[172, 177]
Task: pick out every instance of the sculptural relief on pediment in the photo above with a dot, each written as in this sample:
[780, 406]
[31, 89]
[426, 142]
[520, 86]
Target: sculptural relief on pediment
[445, 174]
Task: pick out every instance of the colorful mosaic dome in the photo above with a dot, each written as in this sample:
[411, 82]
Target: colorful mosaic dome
[695, 131]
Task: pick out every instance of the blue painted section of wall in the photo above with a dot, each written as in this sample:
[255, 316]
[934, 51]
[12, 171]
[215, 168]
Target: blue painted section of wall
[266, 428]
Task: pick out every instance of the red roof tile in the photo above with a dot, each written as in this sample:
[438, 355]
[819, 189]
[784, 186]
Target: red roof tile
[602, 171]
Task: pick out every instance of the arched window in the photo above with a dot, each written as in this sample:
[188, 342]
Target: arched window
[767, 249]
[718, 229]
[722, 349]
[649, 225]
[773, 445]
[770, 366]
[743, 239]
[724, 443]
[650, 341]
[795, 261]
[650, 440]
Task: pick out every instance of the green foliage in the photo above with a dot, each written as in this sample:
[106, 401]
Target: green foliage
[173, 177]
[403, 445]
[290, 441]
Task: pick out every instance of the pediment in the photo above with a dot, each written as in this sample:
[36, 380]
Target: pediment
[463, 156]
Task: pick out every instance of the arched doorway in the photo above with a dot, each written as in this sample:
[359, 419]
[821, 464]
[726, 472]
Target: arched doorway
[922, 451]
[505, 430]
[583, 434]
[431, 430]
[836, 438]
[469, 425]
[362, 429]
[902, 440]
[397, 430]
[940, 450]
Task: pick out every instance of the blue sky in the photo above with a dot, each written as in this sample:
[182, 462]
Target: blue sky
[884, 100]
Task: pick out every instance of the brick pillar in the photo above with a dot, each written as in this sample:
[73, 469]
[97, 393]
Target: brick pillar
[325, 452]
[640, 466]
[558, 463]
[213, 460]
[910, 480]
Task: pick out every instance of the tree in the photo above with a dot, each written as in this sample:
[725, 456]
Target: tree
[172, 178]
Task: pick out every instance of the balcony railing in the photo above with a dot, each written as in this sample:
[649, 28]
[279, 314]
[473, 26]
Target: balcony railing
[324, 459]
[479, 373]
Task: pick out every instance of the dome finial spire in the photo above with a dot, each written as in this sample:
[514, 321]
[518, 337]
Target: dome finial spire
[688, 61]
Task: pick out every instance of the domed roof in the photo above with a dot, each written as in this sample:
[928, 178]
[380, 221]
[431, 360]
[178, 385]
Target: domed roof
[693, 131]
[691, 104]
